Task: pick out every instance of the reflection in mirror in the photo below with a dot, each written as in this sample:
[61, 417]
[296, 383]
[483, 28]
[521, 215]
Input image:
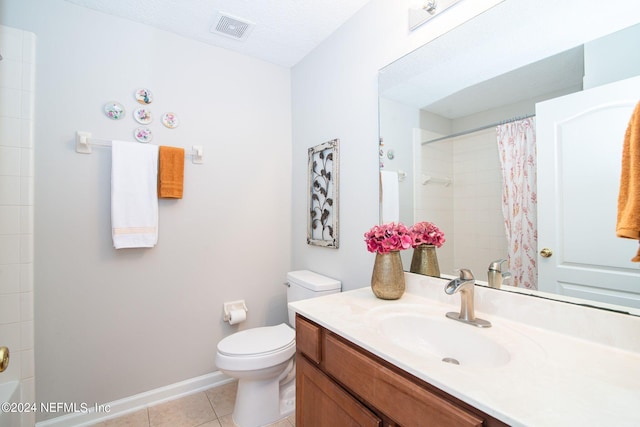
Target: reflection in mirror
[441, 114]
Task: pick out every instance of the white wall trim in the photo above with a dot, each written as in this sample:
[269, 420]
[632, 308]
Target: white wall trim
[139, 401]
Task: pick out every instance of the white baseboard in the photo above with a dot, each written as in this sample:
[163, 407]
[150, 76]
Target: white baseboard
[139, 401]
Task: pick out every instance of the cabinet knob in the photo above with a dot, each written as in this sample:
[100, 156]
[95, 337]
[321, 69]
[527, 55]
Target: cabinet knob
[546, 253]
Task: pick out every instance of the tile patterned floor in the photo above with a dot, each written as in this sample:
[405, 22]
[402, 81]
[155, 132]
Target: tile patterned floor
[210, 408]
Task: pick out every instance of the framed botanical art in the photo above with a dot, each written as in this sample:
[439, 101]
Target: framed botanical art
[323, 178]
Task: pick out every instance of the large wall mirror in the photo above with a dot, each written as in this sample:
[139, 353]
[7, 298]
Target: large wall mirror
[552, 72]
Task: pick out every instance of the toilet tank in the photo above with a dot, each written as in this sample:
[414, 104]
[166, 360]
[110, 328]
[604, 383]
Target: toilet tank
[303, 284]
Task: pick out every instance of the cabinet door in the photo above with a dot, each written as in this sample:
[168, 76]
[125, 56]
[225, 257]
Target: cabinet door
[322, 403]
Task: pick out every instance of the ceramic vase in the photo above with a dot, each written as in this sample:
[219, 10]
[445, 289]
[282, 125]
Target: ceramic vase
[387, 280]
[425, 261]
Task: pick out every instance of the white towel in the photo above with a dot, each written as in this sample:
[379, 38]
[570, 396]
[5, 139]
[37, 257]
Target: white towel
[389, 197]
[134, 195]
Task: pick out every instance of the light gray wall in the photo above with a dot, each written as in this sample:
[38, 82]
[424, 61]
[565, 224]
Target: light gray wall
[335, 96]
[110, 324]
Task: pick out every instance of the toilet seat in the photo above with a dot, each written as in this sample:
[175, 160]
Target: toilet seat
[256, 348]
[257, 341]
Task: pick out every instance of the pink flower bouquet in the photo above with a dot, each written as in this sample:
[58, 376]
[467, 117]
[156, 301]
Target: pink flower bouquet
[388, 237]
[426, 233]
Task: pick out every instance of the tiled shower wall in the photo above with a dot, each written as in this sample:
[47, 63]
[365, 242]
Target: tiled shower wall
[480, 234]
[469, 210]
[17, 78]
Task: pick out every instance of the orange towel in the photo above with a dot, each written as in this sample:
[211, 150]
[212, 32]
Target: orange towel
[170, 172]
[629, 197]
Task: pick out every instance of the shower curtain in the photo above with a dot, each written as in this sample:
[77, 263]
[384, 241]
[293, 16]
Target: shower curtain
[517, 148]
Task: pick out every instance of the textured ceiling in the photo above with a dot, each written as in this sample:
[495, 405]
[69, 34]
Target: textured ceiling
[285, 31]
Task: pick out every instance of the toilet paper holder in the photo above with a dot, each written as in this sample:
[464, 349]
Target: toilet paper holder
[233, 305]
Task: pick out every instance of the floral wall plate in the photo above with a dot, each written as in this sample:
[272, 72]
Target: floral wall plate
[114, 110]
[144, 96]
[143, 134]
[170, 120]
[142, 116]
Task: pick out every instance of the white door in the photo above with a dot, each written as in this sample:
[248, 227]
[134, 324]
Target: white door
[579, 140]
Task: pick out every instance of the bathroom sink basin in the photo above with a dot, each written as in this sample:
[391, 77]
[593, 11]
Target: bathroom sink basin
[445, 339]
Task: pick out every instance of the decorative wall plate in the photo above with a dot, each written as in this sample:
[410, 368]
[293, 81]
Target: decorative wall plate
[144, 96]
[170, 120]
[143, 116]
[143, 134]
[114, 110]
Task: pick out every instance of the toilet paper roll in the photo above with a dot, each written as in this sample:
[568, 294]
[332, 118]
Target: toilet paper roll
[237, 316]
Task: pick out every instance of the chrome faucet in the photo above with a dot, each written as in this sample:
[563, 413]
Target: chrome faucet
[495, 274]
[465, 285]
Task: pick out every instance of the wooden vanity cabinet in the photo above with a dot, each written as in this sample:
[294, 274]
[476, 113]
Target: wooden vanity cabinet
[341, 384]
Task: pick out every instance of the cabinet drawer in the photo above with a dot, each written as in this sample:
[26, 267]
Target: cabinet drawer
[308, 339]
[404, 401]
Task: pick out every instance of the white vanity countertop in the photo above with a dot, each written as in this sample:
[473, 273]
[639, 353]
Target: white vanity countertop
[552, 378]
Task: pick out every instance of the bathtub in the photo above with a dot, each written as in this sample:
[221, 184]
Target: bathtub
[9, 392]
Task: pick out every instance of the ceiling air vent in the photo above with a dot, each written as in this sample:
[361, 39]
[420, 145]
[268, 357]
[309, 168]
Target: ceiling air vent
[230, 26]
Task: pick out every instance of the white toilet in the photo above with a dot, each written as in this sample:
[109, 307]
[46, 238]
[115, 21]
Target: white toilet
[262, 359]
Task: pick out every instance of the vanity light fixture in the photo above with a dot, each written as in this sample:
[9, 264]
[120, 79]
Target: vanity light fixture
[421, 11]
[430, 6]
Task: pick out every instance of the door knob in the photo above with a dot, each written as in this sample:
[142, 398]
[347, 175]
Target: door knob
[4, 358]
[546, 253]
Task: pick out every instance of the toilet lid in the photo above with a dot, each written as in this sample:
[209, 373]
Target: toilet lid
[256, 341]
